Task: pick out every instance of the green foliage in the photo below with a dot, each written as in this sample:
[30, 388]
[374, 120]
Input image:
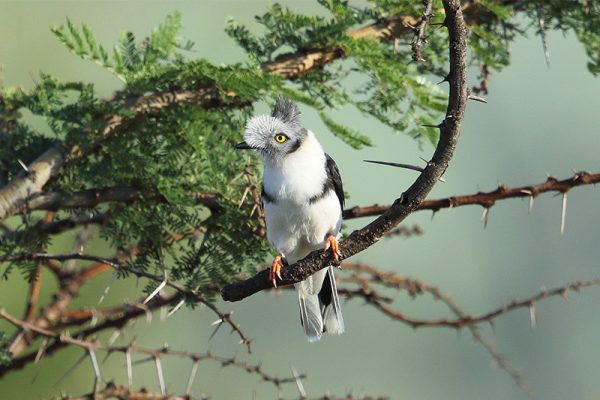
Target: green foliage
[351, 136]
[173, 154]
[5, 358]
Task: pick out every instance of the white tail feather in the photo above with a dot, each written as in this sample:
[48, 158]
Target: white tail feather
[316, 318]
[310, 314]
[332, 315]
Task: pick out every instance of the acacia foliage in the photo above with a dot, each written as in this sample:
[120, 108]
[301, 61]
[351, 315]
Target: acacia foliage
[175, 153]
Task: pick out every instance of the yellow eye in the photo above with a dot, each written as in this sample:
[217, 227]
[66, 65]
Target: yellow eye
[280, 138]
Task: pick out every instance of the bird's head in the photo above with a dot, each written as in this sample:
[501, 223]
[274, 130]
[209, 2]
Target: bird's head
[277, 135]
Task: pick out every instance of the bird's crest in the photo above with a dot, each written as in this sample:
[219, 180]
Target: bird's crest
[286, 110]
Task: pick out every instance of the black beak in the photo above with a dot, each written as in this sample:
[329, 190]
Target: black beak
[242, 146]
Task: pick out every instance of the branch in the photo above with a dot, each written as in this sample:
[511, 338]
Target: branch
[466, 320]
[69, 286]
[118, 322]
[415, 287]
[113, 391]
[224, 318]
[409, 200]
[93, 197]
[195, 357]
[487, 199]
[420, 31]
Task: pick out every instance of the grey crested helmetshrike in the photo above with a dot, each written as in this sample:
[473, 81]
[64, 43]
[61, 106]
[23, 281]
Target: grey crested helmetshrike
[302, 196]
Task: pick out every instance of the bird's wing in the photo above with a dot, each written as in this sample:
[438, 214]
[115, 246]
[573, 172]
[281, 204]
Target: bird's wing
[333, 175]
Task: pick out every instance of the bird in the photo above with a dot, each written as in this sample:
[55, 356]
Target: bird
[303, 198]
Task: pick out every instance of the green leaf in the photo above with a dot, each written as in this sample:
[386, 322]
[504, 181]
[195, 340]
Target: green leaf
[350, 136]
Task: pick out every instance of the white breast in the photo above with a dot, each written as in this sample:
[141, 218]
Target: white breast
[294, 226]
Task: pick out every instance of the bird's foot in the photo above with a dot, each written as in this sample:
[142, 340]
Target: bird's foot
[332, 243]
[275, 271]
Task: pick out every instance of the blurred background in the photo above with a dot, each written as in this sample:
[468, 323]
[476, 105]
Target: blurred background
[538, 121]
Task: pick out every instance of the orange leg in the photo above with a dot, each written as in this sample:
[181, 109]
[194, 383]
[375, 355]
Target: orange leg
[331, 242]
[275, 271]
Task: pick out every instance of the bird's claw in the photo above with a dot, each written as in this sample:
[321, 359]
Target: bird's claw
[275, 271]
[331, 242]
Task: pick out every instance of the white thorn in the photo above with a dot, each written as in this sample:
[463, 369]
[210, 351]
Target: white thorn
[96, 367]
[254, 208]
[94, 319]
[161, 379]
[298, 382]
[113, 338]
[190, 382]
[108, 286]
[16, 341]
[532, 315]
[129, 369]
[477, 98]
[176, 308]
[158, 289]
[563, 212]
[243, 197]
[484, 216]
[41, 351]
[23, 165]
[530, 204]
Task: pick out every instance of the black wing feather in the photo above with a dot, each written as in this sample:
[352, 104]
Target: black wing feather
[334, 178]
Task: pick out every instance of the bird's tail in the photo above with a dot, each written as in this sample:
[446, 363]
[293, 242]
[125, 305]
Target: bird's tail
[310, 307]
[332, 312]
[319, 305]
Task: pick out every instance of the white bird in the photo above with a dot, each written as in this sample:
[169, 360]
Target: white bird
[303, 198]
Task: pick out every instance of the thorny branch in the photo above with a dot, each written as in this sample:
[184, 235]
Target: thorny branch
[112, 391]
[420, 31]
[467, 321]
[488, 199]
[224, 318]
[15, 197]
[409, 200]
[149, 352]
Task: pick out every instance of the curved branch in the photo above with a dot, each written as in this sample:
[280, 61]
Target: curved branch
[409, 200]
[487, 199]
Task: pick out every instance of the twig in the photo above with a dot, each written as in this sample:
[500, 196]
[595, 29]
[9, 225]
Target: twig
[419, 30]
[34, 293]
[94, 346]
[414, 287]
[114, 263]
[468, 320]
[484, 76]
[90, 198]
[114, 391]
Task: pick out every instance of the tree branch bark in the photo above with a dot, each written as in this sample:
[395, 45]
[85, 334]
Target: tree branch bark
[487, 199]
[409, 200]
[90, 198]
